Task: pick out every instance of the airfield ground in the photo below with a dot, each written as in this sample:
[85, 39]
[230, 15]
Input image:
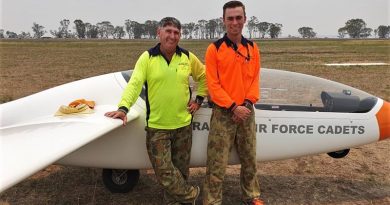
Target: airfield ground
[363, 177]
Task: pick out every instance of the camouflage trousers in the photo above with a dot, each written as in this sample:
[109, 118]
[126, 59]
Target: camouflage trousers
[169, 152]
[224, 134]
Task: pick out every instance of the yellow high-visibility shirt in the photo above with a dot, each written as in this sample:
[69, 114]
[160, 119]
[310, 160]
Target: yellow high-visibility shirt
[167, 87]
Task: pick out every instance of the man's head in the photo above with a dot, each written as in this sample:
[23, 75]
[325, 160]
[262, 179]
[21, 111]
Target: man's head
[234, 17]
[169, 21]
[233, 4]
[169, 32]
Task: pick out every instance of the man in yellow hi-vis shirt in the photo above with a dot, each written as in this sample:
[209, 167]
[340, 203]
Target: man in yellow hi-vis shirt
[165, 70]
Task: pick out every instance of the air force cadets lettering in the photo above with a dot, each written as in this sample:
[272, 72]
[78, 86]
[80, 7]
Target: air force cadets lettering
[295, 128]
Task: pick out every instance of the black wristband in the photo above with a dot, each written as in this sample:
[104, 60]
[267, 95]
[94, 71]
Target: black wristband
[123, 109]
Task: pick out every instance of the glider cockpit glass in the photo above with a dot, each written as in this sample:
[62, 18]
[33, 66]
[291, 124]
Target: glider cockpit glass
[127, 75]
[289, 91]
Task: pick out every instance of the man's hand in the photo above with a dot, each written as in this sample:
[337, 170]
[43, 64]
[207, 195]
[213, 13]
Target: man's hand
[236, 119]
[241, 113]
[117, 114]
[192, 107]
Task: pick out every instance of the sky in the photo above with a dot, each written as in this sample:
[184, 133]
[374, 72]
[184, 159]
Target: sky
[324, 16]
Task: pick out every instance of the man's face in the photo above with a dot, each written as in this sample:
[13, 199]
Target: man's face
[169, 37]
[234, 20]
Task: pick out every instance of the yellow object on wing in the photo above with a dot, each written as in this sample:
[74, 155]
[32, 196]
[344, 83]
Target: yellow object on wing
[90, 103]
[68, 110]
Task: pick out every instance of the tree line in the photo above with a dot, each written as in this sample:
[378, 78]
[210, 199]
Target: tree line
[202, 29]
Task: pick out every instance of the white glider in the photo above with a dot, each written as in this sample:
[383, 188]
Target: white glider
[297, 115]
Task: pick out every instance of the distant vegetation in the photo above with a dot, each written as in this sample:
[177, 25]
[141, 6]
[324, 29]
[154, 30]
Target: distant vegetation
[203, 29]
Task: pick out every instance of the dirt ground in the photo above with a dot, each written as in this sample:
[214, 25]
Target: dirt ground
[362, 177]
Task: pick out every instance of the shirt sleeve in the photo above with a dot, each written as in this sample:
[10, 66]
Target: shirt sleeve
[134, 87]
[253, 93]
[198, 74]
[217, 93]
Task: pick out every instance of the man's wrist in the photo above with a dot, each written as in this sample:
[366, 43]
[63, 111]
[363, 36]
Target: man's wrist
[247, 103]
[199, 100]
[123, 109]
[233, 107]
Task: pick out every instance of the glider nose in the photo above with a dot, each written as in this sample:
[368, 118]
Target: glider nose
[383, 118]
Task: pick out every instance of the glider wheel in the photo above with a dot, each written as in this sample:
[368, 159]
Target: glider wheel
[339, 154]
[120, 180]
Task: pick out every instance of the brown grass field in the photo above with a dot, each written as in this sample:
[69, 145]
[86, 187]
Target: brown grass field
[363, 177]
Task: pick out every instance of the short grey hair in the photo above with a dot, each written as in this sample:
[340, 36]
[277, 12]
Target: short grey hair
[169, 21]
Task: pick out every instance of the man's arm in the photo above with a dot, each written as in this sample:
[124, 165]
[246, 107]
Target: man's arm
[132, 90]
[134, 87]
[217, 93]
[198, 73]
[199, 76]
[253, 93]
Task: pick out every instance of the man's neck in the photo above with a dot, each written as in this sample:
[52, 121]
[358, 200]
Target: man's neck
[235, 38]
[167, 53]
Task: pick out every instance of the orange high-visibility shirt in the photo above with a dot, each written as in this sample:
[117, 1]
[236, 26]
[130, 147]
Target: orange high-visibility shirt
[233, 72]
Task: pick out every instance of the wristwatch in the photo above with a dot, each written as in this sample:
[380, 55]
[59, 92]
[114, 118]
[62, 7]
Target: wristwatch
[248, 104]
[199, 100]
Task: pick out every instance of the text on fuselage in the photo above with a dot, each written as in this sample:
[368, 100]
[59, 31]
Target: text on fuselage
[295, 129]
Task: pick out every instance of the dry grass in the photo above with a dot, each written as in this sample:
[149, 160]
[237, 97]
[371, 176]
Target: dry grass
[361, 178]
[39, 65]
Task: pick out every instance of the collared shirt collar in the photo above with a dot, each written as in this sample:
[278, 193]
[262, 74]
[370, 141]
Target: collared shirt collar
[230, 43]
[155, 51]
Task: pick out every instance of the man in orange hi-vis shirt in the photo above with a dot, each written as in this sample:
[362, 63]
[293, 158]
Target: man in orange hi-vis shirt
[232, 71]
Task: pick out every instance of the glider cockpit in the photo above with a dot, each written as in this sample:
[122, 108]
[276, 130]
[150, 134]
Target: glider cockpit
[289, 91]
